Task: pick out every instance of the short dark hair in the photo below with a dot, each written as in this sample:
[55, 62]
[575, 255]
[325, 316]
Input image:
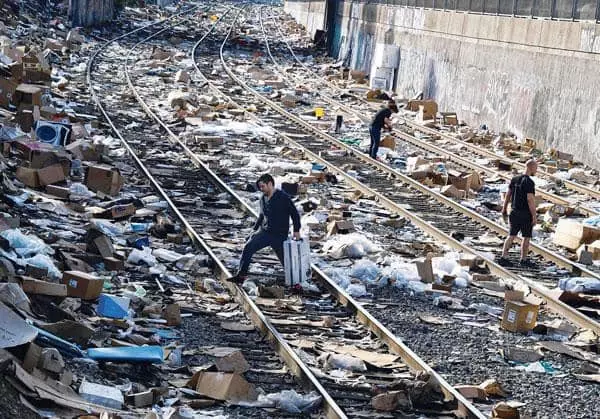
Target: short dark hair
[266, 178]
[392, 106]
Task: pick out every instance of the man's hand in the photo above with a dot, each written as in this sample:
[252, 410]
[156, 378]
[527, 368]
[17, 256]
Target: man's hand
[296, 235]
[504, 216]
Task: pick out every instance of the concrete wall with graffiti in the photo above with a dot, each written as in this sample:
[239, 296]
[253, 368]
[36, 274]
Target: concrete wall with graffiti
[535, 78]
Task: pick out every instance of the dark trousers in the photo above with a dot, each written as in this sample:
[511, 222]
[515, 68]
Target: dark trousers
[375, 138]
[258, 241]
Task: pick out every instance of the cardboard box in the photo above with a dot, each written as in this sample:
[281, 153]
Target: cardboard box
[425, 269]
[572, 234]
[460, 180]
[84, 151]
[28, 176]
[99, 243]
[82, 285]
[309, 180]
[28, 95]
[429, 108]
[58, 191]
[594, 247]
[35, 286]
[104, 179]
[51, 174]
[340, 227]
[519, 316]
[113, 264]
[225, 386]
[7, 91]
[388, 141]
[452, 192]
[119, 211]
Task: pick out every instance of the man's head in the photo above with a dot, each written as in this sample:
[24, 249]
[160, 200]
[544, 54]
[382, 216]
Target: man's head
[392, 106]
[531, 167]
[266, 184]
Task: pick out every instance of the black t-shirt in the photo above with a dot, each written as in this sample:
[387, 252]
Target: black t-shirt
[520, 186]
[380, 118]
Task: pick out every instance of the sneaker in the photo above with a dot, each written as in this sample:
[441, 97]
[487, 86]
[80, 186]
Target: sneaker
[237, 279]
[504, 261]
[527, 263]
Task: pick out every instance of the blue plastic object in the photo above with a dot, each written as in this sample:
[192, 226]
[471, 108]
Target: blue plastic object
[47, 339]
[151, 354]
[113, 306]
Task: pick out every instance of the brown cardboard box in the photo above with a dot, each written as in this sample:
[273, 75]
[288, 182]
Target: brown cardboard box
[58, 191]
[425, 269]
[460, 180]
[594, 247]
[388, 141]
[99, 243]
[469, 260]
[340, 227]
[430, 107]
[519, 316]
[82, 285]
[104, 179]
[7, 91]
[113, 264]
[471, 392]
[35, 286]
[25, 119]
[119, 211]
[83, 150]
[172, 313]
[452, 192]
[51, 174]
[225, 386]
[571, 234]
[308, 179]
[28, 176]
[28, 95]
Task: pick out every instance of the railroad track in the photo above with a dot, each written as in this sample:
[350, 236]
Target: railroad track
[568, 193]
[167, 166]
[440, 217]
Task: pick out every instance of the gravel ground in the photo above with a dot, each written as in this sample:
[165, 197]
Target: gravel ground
[469, 355]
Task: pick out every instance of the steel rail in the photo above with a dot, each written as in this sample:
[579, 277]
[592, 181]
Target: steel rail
[297, 367]
[558, 306]
[548, 196]
[478, 150]
[486, 222]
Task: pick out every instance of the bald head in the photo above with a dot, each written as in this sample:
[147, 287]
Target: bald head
[531, 167]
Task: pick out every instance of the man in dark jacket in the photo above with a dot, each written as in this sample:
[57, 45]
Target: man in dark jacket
[380, 120]
[271, 227]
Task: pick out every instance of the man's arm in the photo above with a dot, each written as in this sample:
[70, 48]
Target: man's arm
[387, 123]
[532, 209]
[507, 200]
[295, 218]
[260, 218]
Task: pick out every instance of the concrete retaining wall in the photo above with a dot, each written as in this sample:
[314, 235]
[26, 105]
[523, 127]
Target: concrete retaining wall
[536, 78]
[310, 13]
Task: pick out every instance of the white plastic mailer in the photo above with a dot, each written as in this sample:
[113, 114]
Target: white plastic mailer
[296, 261]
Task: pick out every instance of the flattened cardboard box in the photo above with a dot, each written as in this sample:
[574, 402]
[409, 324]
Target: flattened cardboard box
[225, 386]
[34, 286]
[82, 285]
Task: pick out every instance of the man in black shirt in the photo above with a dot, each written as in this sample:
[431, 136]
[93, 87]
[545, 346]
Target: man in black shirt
[380, 121]
[271, 227]
[521, 195]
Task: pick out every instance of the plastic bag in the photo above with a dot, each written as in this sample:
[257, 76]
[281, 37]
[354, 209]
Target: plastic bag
[79, 189]
[447, 264]
[24, 244]
[43, 261]
[107, 227]
[292, 402]
[580, 284]
[486, 308]
[145, 255]
[416, 287]
[365, 270]
[166, 255]
[357, 290]
[341, 361]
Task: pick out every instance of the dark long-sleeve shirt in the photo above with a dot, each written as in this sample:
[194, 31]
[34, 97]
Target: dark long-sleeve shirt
[275, 214]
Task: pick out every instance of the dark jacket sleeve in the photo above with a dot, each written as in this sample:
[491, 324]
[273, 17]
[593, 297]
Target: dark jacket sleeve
[294, 215]
[261, 216]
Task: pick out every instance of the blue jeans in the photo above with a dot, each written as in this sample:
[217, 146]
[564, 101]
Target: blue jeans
[375, 138]
[258, 241]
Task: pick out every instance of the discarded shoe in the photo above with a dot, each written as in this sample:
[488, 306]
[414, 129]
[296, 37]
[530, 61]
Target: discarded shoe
[237, 279]
[504, 262]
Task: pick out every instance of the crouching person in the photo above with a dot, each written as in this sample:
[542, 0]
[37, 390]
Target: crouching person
[272, 226]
